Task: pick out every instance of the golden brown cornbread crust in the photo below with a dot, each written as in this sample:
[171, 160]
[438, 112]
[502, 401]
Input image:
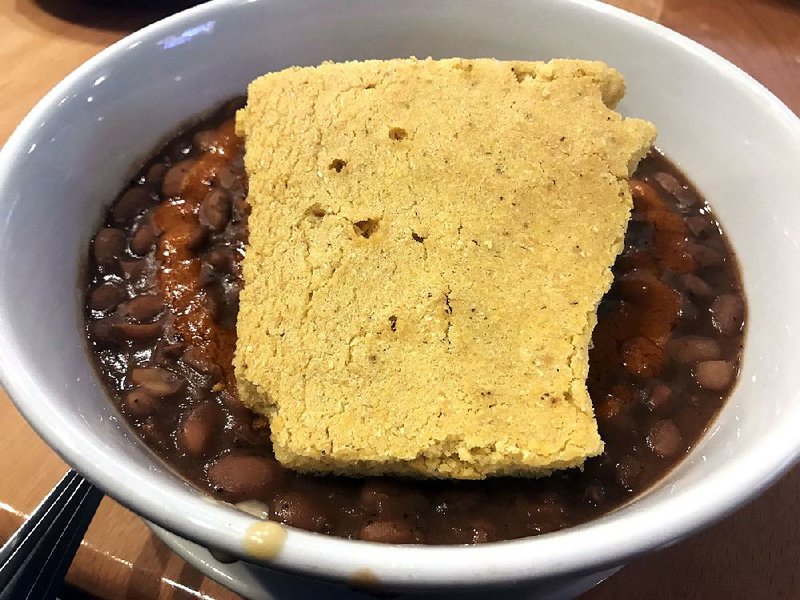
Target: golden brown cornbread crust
[429, 241]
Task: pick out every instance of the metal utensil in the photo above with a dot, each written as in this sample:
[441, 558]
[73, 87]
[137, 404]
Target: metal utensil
[35, 560]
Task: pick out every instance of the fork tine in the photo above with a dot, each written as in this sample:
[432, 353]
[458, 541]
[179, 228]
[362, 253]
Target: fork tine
[13, 551]
[39, 561]
[48, 579]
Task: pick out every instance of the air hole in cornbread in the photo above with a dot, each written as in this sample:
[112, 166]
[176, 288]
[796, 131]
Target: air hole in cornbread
[315, 210]
[366, 227]
[522, 75]
[337, 164]
[398, 133]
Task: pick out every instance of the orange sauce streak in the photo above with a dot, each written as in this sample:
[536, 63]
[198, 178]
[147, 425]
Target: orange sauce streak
[637, 333]
[179, 275]
[669, 230]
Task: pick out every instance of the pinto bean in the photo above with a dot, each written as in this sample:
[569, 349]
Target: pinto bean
[197, 238]
[300, 510]
[702, 227]
[202, 363]
[675, 189]
[690, 349]
[208, 140]
[109, 246]
[145, 237]
[695, 285]
[215, 211]
[166, 351]
[138, 333]
[388, 532]
[106, 296]
[245, 477]
[157, 381]
[660, 397]
[198, 427]
[132, 269]
[140, 404]
[154, 177]
[144, 308]
[629, 472]
[727, 314]
[705, 257]
[664, 439]
[716, 375]
[131, 204]
[177, 178]
[103, 332]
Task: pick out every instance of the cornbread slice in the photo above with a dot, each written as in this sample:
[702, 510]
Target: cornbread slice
[429, 241]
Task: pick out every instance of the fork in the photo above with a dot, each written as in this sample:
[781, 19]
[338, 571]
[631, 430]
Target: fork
[35, 559]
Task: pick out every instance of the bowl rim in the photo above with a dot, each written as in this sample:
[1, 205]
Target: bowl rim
[601, 544]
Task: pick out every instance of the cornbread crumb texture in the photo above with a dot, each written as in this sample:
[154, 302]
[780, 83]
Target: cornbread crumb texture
[429, 241]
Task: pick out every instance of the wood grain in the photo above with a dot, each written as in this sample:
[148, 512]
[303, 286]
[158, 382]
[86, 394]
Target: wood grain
[752, 554]
[119, 557]
[760, 36]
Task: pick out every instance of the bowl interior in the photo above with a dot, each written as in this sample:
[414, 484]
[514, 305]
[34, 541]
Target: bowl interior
[75, 151]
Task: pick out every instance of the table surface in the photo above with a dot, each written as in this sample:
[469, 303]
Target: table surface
[754, 553]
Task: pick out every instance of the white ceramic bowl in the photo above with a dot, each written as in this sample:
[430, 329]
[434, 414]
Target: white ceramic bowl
[75, 150]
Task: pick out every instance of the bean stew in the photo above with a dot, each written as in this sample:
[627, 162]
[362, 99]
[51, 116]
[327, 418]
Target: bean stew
[161, 310]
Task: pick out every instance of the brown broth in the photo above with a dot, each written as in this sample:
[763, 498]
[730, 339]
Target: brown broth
[676, 302]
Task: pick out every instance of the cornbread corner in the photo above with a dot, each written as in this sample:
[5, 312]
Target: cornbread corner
[429, 241]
